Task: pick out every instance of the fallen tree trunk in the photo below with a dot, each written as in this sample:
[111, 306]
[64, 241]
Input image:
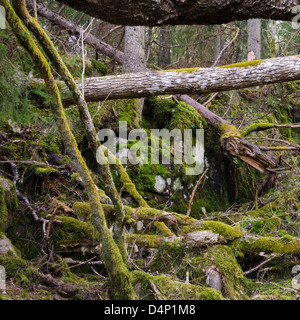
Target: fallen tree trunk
[192, 81]
[151, 13]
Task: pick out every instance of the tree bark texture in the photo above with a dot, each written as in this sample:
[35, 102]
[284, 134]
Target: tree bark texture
[134, 59]
[254, 39]
[189, 81]
[164, 58]
[176, 12]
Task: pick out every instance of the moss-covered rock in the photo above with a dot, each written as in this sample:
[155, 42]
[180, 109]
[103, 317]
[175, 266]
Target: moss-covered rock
[8, 203]
[20, 270]
[171, 289]
[234, 284]
[6, 247]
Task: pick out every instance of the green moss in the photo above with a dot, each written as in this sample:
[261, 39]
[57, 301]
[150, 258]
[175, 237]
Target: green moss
[257, 226]
[100, 67]
[3, 211]
[73, 230]
[74, 177]
[272, 225]
[287, 238]
[168, 257]
[45, 171]
[128, 110]
[173, 290]
[20, 270]
[82, 209]
[268, 244]
[228, 232]
[223, 258]
[75, 66]
[162, 229]
[147, 240]
[278, 205]
[170, 114]
[257, 127]
[268, 290]
[228, 131]
[245, 64]
[8, 202]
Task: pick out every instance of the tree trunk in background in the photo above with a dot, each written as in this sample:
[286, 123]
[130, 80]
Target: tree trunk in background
[134, 54]
[239, 56]
[164, 58]
[273, 35]
[219, 42]
[254, 39]
[134, 51]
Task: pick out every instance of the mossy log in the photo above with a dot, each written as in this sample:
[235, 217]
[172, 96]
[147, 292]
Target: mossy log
[286, 244]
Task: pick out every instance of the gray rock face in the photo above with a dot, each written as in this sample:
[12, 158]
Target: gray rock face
[6, 246]
[214, 279]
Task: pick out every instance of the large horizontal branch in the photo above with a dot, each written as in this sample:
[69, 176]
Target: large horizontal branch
[196, 233]
[89, 39]
[153, 12]
[189, 81]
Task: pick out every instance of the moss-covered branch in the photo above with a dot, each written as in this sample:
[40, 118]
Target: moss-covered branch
[286, 244]
[264, 126]
[117, 270]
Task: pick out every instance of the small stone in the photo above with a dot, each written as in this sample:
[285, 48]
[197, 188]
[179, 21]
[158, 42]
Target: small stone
[6, 246]
[160, 184]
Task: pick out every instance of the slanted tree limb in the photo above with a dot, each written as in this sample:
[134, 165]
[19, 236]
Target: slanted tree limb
[231, 139]
[118, 272]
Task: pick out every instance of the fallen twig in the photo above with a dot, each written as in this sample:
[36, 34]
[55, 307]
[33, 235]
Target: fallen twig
[193, 193]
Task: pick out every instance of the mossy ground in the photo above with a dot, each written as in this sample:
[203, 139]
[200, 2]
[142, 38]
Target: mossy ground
[254, 203]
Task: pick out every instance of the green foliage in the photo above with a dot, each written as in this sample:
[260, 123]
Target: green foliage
[100, 67]
[15, 104]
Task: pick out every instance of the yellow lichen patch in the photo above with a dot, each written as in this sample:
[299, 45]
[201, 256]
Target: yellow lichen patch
[228, 130]
[185, 70]
[225, 230]
[245, 64]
